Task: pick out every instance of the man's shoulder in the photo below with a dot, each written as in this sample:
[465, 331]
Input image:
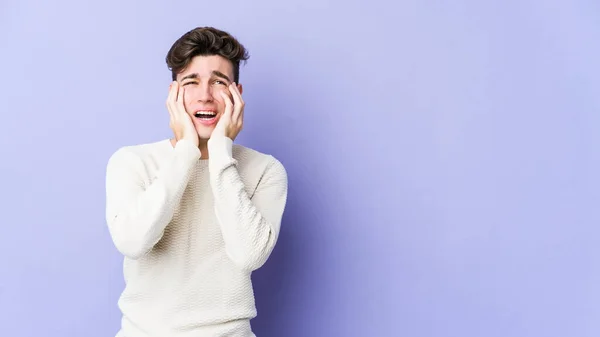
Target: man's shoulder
[244, 154]
[140, 151]
[252, 159]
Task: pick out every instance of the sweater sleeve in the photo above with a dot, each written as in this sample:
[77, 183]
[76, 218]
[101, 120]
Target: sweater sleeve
[136, 212]
[250, 227]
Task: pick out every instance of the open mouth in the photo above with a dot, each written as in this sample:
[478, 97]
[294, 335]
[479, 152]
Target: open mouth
[205, 115]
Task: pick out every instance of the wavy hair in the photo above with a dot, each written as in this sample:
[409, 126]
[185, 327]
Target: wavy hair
[205, 41]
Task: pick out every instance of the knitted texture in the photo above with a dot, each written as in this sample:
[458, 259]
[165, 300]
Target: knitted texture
[191, 232]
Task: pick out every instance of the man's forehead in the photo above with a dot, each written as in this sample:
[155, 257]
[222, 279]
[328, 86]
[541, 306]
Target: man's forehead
[207, 66]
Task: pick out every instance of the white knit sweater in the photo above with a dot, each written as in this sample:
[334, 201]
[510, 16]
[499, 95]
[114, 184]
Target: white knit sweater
[191, 231]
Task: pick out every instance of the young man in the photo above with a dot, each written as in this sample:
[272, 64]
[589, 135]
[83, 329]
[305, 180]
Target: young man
[194, 215]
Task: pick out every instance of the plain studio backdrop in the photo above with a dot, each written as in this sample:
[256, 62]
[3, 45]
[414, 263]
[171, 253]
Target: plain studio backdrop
[443, 160]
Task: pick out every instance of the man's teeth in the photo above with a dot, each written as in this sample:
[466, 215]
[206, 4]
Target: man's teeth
[206, 114]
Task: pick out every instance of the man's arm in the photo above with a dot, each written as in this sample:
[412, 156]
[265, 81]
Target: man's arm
[137, 214]
[250, 227]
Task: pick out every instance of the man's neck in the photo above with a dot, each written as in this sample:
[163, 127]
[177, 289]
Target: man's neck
[203, 146]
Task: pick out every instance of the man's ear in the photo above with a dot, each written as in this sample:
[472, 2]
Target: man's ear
[240, 88]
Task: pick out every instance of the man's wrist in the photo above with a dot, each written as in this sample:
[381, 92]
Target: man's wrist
[188, 147]
[220, 146]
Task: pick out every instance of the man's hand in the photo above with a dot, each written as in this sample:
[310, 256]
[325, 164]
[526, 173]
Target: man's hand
[231, 122]
[180, 121]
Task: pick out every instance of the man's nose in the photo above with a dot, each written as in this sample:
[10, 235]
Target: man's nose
[205, 93]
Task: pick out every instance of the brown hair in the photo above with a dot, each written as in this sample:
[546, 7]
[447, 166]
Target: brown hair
[205, 41]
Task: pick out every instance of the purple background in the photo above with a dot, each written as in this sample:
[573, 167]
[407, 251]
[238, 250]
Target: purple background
[443, 160]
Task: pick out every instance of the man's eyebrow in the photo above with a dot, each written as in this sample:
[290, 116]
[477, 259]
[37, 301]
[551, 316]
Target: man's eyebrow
[220, 74]
[214, 72]
[190, 76]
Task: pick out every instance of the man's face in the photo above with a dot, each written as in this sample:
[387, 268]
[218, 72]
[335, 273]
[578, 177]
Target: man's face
[203, 81]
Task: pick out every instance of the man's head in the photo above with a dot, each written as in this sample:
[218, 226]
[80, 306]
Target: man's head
[204, 61]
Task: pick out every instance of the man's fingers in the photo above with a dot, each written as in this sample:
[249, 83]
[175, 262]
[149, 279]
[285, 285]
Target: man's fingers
[170, 100]
[177, 88]
[237, 96]
[238, 102]
[180, 100]
[172, 92]
[228, 106]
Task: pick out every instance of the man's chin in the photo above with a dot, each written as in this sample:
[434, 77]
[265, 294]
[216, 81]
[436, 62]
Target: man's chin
[204, 133]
